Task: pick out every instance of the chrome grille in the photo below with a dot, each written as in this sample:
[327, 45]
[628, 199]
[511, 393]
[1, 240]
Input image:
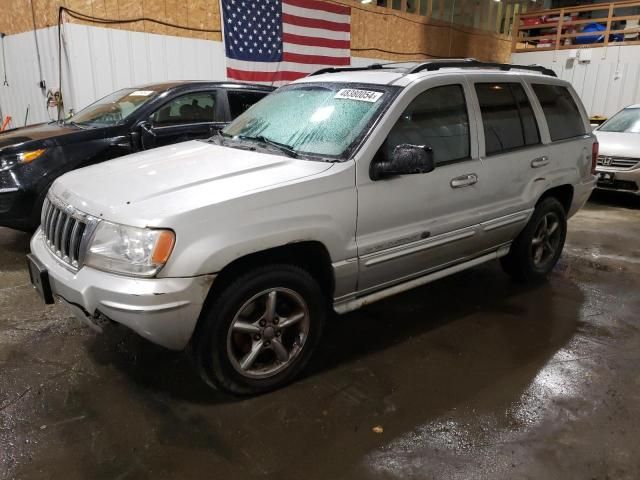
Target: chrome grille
[64, 228]
[617, 162]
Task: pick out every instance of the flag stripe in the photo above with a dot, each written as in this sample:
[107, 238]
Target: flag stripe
[314, 41]
[314, 32]
[315, 59]
[274, 66]
[322, 6]
[315, 23]
[307, 50]
[264, 76]
[308, 13]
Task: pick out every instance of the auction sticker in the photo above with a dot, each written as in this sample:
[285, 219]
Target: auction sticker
[141, 93]
[357, 94]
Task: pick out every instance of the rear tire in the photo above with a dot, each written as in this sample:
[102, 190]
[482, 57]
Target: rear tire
[538, 247]
[260, 331]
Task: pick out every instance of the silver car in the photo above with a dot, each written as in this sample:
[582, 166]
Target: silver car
[619, 159]
[335, 191]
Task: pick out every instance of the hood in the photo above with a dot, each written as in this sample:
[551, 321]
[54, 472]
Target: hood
[618, 144]
[42, 135]
[145, 188]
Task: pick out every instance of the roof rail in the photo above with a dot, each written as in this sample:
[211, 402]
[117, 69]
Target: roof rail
[473, 63]
[373, 66]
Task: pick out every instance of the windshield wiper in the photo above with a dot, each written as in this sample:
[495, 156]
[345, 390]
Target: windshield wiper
[283, 147]
[76, 125]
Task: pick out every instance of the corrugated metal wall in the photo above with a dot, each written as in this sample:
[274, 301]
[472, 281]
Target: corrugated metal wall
[606, 83]
[100, 61]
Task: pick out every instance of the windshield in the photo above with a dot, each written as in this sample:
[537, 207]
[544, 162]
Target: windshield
[312, 119]
[627, 120]
[113, 108]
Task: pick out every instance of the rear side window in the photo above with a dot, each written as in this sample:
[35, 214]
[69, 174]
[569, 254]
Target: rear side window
[560, 110]
[241, 100]
[507, 117]
[438, 119]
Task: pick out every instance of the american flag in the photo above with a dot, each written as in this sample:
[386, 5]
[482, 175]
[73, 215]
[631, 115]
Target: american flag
[278, 41]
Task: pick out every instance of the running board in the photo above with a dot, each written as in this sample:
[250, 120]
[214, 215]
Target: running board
[351, 304]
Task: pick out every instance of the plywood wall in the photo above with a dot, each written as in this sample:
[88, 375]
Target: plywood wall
[376, 32]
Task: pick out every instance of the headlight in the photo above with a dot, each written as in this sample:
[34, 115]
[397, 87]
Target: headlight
[129, 250]
[11, 160]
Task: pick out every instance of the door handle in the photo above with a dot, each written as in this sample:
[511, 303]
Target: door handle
[464, 180]
[539, 162]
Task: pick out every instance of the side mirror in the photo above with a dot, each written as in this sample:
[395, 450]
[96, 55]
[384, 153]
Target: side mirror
[406, 159]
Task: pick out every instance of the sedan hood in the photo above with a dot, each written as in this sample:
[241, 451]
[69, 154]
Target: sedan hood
[619, 144]
[146, 188]
[37, 136]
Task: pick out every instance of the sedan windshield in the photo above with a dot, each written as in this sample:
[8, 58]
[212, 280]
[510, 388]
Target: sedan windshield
[113, 108]
[627, 120]
[311, 119]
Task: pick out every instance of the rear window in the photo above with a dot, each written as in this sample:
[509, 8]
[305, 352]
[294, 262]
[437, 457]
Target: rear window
[507, 117]
[560, 110]
[241, 100]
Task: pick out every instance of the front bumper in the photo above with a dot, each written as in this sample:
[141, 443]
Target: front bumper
[624, 180]
[162, 310]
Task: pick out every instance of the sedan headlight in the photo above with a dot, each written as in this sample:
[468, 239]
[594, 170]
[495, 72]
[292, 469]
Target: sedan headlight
[129, 250]
[9, 161]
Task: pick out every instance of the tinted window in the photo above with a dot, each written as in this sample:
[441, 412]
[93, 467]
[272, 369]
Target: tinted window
[436, 118]
[562, 114]
[241, 100]
[507, 117]
[191, 108]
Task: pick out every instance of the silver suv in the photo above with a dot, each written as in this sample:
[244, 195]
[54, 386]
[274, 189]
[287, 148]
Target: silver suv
[335, 191]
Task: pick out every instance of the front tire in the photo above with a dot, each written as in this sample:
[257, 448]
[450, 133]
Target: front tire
[536, 250]
[260, 331]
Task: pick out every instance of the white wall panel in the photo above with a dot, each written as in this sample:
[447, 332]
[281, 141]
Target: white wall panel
[23, 76]
[607, 83]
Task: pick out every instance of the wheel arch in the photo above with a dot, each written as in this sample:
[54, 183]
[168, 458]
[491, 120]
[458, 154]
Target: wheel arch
[311, 255]
[563, 193]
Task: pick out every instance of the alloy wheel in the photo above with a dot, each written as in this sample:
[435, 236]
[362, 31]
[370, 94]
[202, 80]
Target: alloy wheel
[546, 240]
[268, 332]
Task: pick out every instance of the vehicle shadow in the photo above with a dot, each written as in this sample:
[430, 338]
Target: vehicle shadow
[14, 245]
[531, 321]
[615, 199]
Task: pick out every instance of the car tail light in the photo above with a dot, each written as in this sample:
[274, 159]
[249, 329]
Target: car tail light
[594, 156]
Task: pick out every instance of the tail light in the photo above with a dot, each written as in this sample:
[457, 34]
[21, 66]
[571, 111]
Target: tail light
[594, 157]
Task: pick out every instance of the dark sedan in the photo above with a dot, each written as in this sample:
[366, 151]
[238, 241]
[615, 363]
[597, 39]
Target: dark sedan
[124, 122]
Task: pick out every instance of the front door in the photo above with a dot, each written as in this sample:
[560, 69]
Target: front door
[187, 117]
[411, 224]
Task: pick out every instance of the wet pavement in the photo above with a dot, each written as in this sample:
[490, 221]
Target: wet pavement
[469, 377]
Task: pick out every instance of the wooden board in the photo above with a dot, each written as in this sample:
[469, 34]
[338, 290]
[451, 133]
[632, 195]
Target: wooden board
[376, 32]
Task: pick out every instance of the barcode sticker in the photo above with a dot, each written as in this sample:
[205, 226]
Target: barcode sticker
[356, 94]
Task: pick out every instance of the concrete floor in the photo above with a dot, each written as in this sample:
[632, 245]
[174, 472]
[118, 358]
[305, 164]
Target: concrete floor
[470, 377]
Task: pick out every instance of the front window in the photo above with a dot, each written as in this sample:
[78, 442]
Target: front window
[113, 108]
[313, 119]
[627, 121]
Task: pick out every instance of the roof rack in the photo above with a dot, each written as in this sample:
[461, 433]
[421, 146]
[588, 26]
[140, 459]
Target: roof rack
[473, 63]
[433, 65]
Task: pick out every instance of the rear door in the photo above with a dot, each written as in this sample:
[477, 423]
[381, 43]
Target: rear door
[187, 117]
[513, 154]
